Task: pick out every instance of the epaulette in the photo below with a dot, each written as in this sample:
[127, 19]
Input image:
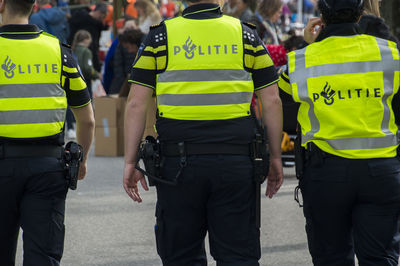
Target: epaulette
[66, 45]
[250, 25]
[157, 25]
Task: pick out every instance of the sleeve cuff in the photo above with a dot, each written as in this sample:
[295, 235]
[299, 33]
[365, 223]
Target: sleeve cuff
[143, 84]
[266, 85]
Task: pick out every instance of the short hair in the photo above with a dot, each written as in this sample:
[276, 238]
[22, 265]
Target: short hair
[270, 7]
[347, 15]
[20, 7]
[101, 7]
[131, 36]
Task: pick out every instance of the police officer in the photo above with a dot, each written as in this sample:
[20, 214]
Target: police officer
[345, 82]
[204, 68]
[38, 78]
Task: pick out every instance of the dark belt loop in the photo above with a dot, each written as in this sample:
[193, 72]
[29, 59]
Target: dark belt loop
[182, 153]
[1, 151]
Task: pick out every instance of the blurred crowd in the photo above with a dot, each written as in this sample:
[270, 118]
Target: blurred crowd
[107, 65]
[81, 25]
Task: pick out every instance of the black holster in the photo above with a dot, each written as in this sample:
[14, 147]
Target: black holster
[260, 157]
[149, 152]
[73, 156]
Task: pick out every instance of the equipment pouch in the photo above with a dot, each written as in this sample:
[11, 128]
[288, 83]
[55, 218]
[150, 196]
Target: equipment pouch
[73, 156]
[150, 152]
[260, 157]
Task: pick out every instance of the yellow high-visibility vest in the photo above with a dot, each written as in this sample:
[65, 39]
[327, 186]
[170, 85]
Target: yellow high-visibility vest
[345, 86]
[32, 102]
[205, 77]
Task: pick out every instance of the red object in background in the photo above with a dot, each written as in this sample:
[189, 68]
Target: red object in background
[168, 9]
[102, 55]
[278, 54]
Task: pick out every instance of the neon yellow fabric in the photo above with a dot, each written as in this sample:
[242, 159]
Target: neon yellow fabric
[345, 86]
[204, 71]
[32, 101]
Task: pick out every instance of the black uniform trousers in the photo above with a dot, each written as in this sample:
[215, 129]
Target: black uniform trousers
[215, 194]
[32, 196]
[352, 207]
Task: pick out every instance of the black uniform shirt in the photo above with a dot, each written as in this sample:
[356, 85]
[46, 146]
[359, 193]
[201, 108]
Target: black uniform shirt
[238, 130]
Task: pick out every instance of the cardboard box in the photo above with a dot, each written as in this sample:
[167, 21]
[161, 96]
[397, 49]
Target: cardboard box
[109, 116]
[109, 141]
[109, 133]
[109, 111]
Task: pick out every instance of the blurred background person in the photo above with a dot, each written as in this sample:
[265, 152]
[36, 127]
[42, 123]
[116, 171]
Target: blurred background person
[241, 9]
[84, 5]
[148, 15]
[108, 73]
[269, 13]
[80, 44]
[51, 19]
[92, 22]
[167, 9]
[309, 7]
[129, 43]
[371, 22]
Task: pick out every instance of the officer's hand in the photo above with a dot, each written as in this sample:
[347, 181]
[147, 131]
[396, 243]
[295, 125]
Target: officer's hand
[275, 177]
[312, 30]
[82, 171]
[131, 177]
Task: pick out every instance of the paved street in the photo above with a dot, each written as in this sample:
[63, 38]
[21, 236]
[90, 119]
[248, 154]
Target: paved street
[104, 227]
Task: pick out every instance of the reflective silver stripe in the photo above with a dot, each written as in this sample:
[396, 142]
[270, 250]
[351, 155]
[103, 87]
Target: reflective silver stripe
[204, 75]
[31, 90]
[302, 89]
[358, 143]
[301, 74]
[204, 99]
[387, 64]
[32, 116]
[388, 79]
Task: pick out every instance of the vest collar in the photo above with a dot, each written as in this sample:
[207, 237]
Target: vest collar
[17, 31]
[19, 28]
[344, 29]
[202, 11]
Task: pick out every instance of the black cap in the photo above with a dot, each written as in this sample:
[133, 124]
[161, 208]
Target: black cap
[30, 1]
[336, 5]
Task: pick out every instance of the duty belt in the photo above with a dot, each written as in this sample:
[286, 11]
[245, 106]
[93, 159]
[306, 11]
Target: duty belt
[13, 150]
[174, 149]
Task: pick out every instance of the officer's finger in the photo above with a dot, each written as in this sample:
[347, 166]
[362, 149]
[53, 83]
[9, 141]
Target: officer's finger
[143, 182]
[278, 185]
[270, 187]
[312, 22]
[273, 186]
[132, 193]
